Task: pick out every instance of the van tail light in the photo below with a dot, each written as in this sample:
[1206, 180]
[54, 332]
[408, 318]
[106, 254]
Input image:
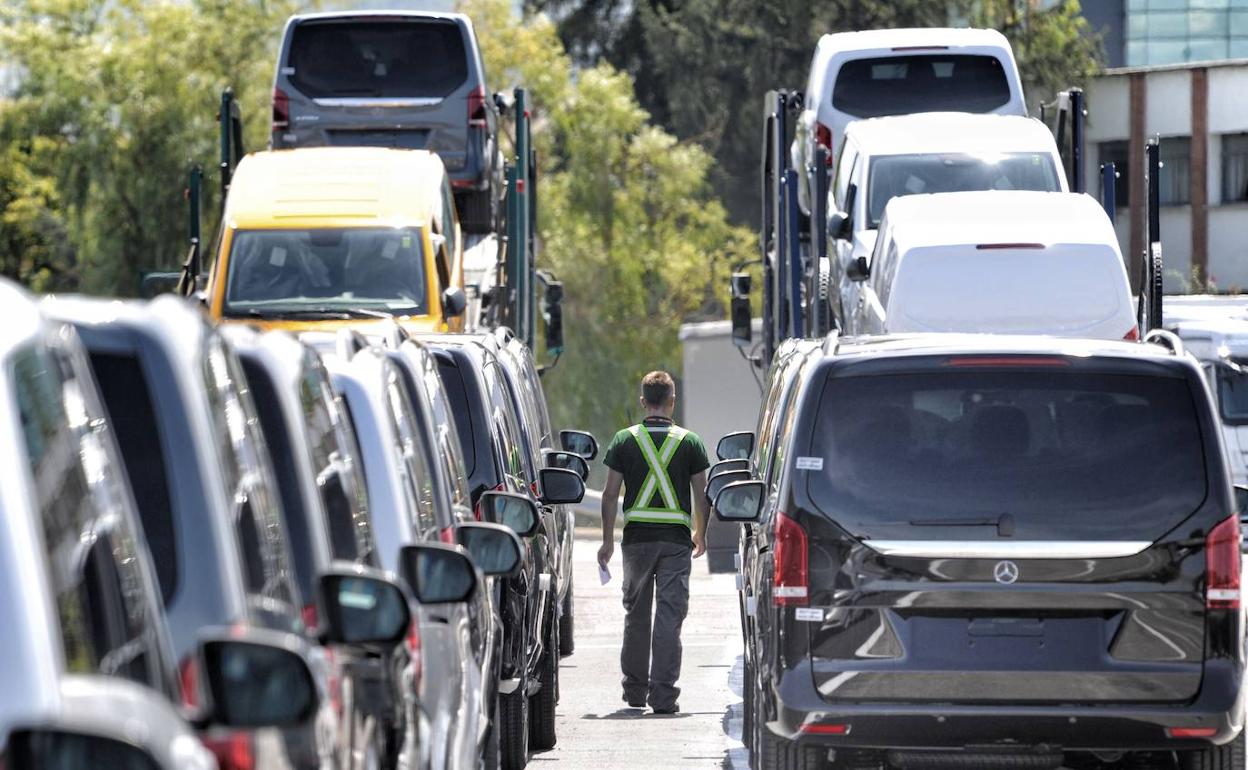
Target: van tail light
[281, 110]
[234, 751]
[1133, 335]
[413, 651]
[1191, 732]
[188, 678]
[792, 578]
[1222, 567]
[476, 107]
[311, 619]
[447, 534]
[823, 135]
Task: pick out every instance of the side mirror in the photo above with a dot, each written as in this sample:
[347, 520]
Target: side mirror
[739, 310]
[579, 442]
[742, 464]
[438, 573]
[496, 549]
[65, 750]
[735, 446]
[552, 309]
[723, 479]
[502, 103]
[516, 512]
[362, 608]
[156, 283]
[438, 240]
[453, 302]
[1241, 505]
[839, 226]
[740, 502]
[859, 269]
[257, 679]
[568, 461]
[560, 487]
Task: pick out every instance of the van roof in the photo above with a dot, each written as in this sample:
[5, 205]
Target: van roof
[379, 14]
[950, 132]
[335, 187]
[997, 217]
[920, 37]
[938, 343]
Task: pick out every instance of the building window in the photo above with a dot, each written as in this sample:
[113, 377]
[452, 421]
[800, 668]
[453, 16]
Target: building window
[1116, 153]
[1234, 168]
[1176, 171]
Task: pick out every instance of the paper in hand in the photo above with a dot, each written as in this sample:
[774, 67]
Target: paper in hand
[604, 574]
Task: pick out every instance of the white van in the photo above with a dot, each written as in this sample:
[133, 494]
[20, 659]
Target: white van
[995, 262]
[882, 158]
[897, 72]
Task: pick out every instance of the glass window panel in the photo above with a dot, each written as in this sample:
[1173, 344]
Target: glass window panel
[1207, 23]
[1137, 26]
[1167, 25]
[1238, 48]
[1234, 168]
[1239, 23]
[1213, 4]
[1206, 49]
[1167, 51]
[1176, 170]
[1137, 53]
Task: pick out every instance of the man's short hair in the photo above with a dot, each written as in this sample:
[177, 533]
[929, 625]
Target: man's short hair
[657, 388]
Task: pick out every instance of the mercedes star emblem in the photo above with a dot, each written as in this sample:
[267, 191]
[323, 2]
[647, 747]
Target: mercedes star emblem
[1005, 572]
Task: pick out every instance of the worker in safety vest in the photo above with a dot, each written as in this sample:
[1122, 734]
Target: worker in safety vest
[657, 462]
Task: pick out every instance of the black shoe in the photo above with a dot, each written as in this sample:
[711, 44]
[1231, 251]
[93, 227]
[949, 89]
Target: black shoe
[672, 709]
[637, 704]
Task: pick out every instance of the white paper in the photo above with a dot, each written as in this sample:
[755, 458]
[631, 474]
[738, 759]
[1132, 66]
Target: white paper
[810, 463]
[809, 614]
[277, 257]
[604, 574]
[389, 250]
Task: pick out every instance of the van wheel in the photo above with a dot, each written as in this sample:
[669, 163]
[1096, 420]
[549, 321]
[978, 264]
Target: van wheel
[1225, 757]
[513, 722]
[542, 704]
[478, 211]
[566, 627]
[747, 708]
[490, 757]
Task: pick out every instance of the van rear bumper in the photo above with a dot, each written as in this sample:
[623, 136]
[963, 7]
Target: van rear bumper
[803, 715]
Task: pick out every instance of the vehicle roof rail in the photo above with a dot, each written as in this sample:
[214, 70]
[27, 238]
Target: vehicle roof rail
[349, 342]
[832, 342]
[1165, 339]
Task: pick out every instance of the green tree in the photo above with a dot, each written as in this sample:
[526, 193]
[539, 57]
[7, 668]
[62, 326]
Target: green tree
[628, 220]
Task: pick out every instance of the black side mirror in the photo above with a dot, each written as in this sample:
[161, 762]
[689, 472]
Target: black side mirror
[502, 103]
[156, 283]
[552, 309]
[438, 573]
[739, 310]
[839, 226]
[495, 549]
[65, 750]
[453, 302]
[723, 479]
[516, 512]
[735, 446]
[560, 487]
[859, 269]
[740, 502]
[742, 464]
[568, 461]
[256, 678]
[362, 608]
[579, 442]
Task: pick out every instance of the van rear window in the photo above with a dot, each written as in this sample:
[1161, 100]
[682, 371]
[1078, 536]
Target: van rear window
[1066, 455]
[394, 58]
[900, 85]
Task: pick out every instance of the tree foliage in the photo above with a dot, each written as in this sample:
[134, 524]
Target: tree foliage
[114, 102]
[703, 66]
[627, 219]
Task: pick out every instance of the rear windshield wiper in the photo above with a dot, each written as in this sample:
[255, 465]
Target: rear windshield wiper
[343, 313]
[1004, 523]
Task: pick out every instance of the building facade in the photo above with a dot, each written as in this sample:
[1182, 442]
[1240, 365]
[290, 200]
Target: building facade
[1150, 33]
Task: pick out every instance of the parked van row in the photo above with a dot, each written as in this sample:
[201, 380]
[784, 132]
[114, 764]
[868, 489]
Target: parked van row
[275, 553]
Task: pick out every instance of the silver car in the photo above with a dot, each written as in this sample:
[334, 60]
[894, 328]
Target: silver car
[402, 79]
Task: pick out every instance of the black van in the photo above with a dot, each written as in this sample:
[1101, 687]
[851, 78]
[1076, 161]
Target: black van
[994, 552]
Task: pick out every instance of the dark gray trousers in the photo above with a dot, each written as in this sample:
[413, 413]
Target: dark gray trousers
[656, 579]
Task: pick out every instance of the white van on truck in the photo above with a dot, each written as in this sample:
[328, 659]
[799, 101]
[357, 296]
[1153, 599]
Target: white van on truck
[885, 72]
[1002, 262]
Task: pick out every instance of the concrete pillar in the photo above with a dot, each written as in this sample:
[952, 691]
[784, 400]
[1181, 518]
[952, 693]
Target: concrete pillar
[1137, 192]
[1199, 178]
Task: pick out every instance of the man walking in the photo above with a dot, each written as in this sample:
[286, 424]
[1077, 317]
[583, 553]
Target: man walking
[658, 463]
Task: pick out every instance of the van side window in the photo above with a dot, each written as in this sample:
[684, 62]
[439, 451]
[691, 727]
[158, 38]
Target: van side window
[845, 168]
[413, 459]
[885, 275]
[354, 484]
[449, 217]
[512, 458]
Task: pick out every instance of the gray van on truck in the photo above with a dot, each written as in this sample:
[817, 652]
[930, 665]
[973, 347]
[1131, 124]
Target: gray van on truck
[408, 80]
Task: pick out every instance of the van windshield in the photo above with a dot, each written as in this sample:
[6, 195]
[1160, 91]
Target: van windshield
[1068, 455]
[901, 85]
[391, 58]
[293, 272]
[892, 176]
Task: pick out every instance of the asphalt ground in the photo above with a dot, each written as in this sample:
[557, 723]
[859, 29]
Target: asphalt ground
[596, 729]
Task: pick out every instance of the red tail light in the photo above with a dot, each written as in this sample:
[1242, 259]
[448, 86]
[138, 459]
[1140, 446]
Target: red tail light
[311, 620]
[188, 677]
[1133, 335]
[413, 650]
[824, 729]
[792, 568]
[281, 110]
[1191, 732]
[823, 135]
[447, 534]
[476, 107]
[1222, 558]
[234, 751]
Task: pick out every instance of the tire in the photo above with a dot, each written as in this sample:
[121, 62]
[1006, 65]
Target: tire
[542, 703]
[491, 759]
[567, 644]
[478, 212]
[1226, 757]
[513, 727]
[747, 709]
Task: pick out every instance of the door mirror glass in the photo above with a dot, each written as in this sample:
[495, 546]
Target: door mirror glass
[859, 269]
[560, 487]
[453, 302]
[552, 314]
[568, 461]
[362, 609]
[56, 750]
[741, 501]
[516, 512]
[742, 322]
[255, 684]
[723, 479]
[438, 573]
[1241, 500]
[579, 443]
[495, 548]
[735, 446]
[728, 465]
[839, 226]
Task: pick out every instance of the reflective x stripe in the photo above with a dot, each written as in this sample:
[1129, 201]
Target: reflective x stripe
[657, 516]
[657, 479]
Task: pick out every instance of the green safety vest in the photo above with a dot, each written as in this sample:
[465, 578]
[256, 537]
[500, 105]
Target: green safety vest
[657, 480]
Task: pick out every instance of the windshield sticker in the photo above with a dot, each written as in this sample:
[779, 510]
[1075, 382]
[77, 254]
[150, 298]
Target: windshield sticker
[277, 257]
[810, 463]
[389, 250]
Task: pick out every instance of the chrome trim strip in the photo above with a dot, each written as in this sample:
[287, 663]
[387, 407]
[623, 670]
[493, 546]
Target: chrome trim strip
[356, 101]
[1008, 549]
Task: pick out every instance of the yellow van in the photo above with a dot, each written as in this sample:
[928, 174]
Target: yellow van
[318, 238]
